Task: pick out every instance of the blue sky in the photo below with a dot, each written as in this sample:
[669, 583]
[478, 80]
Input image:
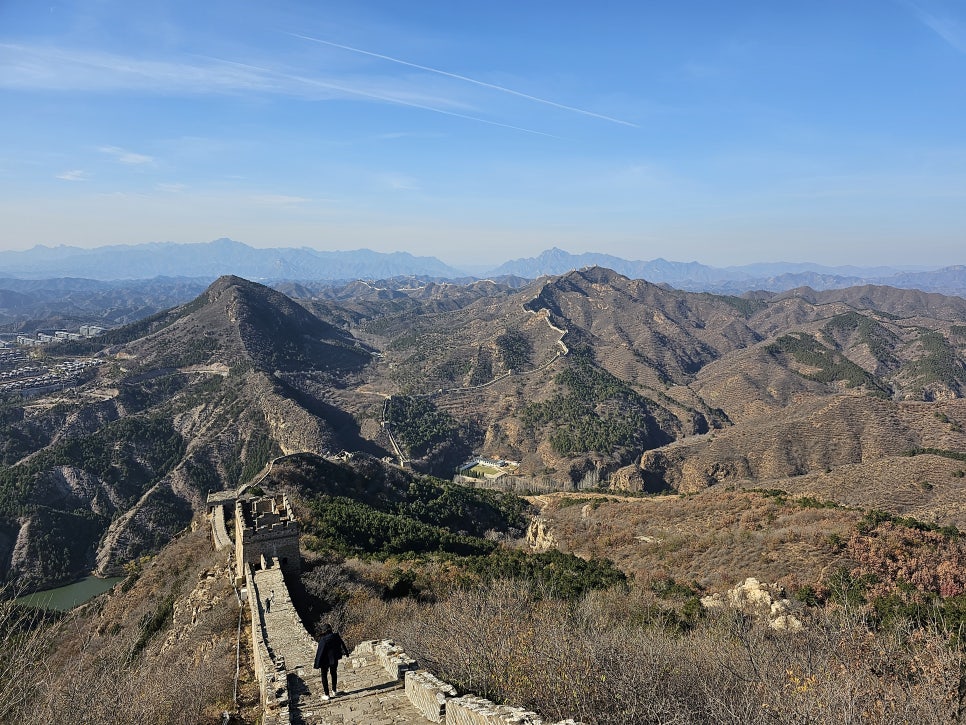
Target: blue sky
[831, 131]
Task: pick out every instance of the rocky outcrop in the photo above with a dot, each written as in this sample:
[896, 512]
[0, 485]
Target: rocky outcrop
[293, 427]
[539, 535]
[207, 594]
[628, 478]
[754, 598]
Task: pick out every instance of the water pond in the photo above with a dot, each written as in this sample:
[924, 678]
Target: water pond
[68, 597]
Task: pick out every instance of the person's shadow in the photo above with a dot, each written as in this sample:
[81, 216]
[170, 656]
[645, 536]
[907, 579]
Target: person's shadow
[305, 690]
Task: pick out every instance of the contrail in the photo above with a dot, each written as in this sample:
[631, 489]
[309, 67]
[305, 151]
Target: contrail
[468, 80]
[379, 97]
[390, 99]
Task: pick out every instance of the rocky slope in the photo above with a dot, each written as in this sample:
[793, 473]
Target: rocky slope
[611, 367]
[585, 379]
[189, 401]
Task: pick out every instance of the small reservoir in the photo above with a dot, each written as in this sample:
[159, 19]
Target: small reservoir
[68, 597]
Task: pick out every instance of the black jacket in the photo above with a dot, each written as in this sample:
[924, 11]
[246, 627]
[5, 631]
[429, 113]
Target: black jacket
[331, 650]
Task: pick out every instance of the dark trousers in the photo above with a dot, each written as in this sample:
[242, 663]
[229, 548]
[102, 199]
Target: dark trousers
[333, 671]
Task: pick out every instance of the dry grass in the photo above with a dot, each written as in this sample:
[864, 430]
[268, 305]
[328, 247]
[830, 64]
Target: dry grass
[101, 665]
[809, 437]
[607, 659]
[925, 486]
[716, 538]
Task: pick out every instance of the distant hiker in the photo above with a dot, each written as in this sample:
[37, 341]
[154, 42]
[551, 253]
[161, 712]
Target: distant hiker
[331, 650]
[268, 605]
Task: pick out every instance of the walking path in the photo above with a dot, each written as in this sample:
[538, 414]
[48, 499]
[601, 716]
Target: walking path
[372, 695]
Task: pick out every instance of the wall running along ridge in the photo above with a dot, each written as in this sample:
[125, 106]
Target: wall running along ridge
[263, 528]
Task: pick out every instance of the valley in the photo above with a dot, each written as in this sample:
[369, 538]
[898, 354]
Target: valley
[588, 380]
[671, 445]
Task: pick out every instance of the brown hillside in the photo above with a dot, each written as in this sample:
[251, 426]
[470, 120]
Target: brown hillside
[715, 539]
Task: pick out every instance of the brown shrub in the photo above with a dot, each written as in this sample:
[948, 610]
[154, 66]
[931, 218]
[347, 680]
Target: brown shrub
[894, 555]
[106, 664]
[607, 659]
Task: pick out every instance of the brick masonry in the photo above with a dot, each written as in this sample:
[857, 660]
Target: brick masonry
[428, 694]
[266, 528]
[219, 531]
[379, 683]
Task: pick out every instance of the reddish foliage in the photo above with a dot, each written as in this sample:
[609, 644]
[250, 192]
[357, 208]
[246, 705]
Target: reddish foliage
[929, 561]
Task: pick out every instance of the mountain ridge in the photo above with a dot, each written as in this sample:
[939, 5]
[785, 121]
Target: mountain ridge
[773, 276]
[587, 378]
[213, 259]
[208, 260]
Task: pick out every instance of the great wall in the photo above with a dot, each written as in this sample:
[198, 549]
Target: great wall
[381, 684]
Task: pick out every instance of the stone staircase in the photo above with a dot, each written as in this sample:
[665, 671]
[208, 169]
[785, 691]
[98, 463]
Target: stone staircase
[370, 695]
[378, 682]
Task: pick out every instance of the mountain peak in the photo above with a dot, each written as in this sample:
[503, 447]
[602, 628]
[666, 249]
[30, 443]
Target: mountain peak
[554, 253]
[226, 281]
[227, 243]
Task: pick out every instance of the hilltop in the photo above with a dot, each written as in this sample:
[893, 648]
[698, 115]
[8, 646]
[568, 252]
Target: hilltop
[194, 399]
[806, 446]
[648, 366]
[588, 379]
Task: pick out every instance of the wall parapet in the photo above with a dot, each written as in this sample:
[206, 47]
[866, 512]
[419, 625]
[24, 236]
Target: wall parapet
[269, 670]
[390, 655]
[219, 529]
[473, 710]
[428, 694]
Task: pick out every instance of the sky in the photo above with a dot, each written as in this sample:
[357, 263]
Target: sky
[828, 131]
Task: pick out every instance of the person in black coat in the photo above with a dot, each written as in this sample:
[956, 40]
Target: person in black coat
[331, 650]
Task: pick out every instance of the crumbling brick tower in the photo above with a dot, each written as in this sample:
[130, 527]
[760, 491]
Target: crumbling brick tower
[266, 527]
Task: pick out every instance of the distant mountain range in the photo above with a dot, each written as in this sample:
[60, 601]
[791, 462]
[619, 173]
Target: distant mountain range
[771, 276]
[213, 259]
[210, 260]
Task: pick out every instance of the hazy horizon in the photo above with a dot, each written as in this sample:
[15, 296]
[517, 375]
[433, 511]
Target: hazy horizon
[728, 134]
[493, 264]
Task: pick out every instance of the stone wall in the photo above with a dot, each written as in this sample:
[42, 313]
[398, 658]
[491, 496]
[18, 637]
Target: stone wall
[217, 499]
[428, 694]
[390, 655]
[266, 528]
[219, 530]
[473, 710]
[269, 671]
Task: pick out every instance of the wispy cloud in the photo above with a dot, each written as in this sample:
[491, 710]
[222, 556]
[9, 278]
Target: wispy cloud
[170, 188]
[73, 175]
[46, 68]
[58, 69]
[403, 102]
[467, 79]
[126, 157]
[74, 71]
[950, 29]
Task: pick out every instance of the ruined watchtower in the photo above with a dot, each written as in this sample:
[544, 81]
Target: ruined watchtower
[266, 527]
